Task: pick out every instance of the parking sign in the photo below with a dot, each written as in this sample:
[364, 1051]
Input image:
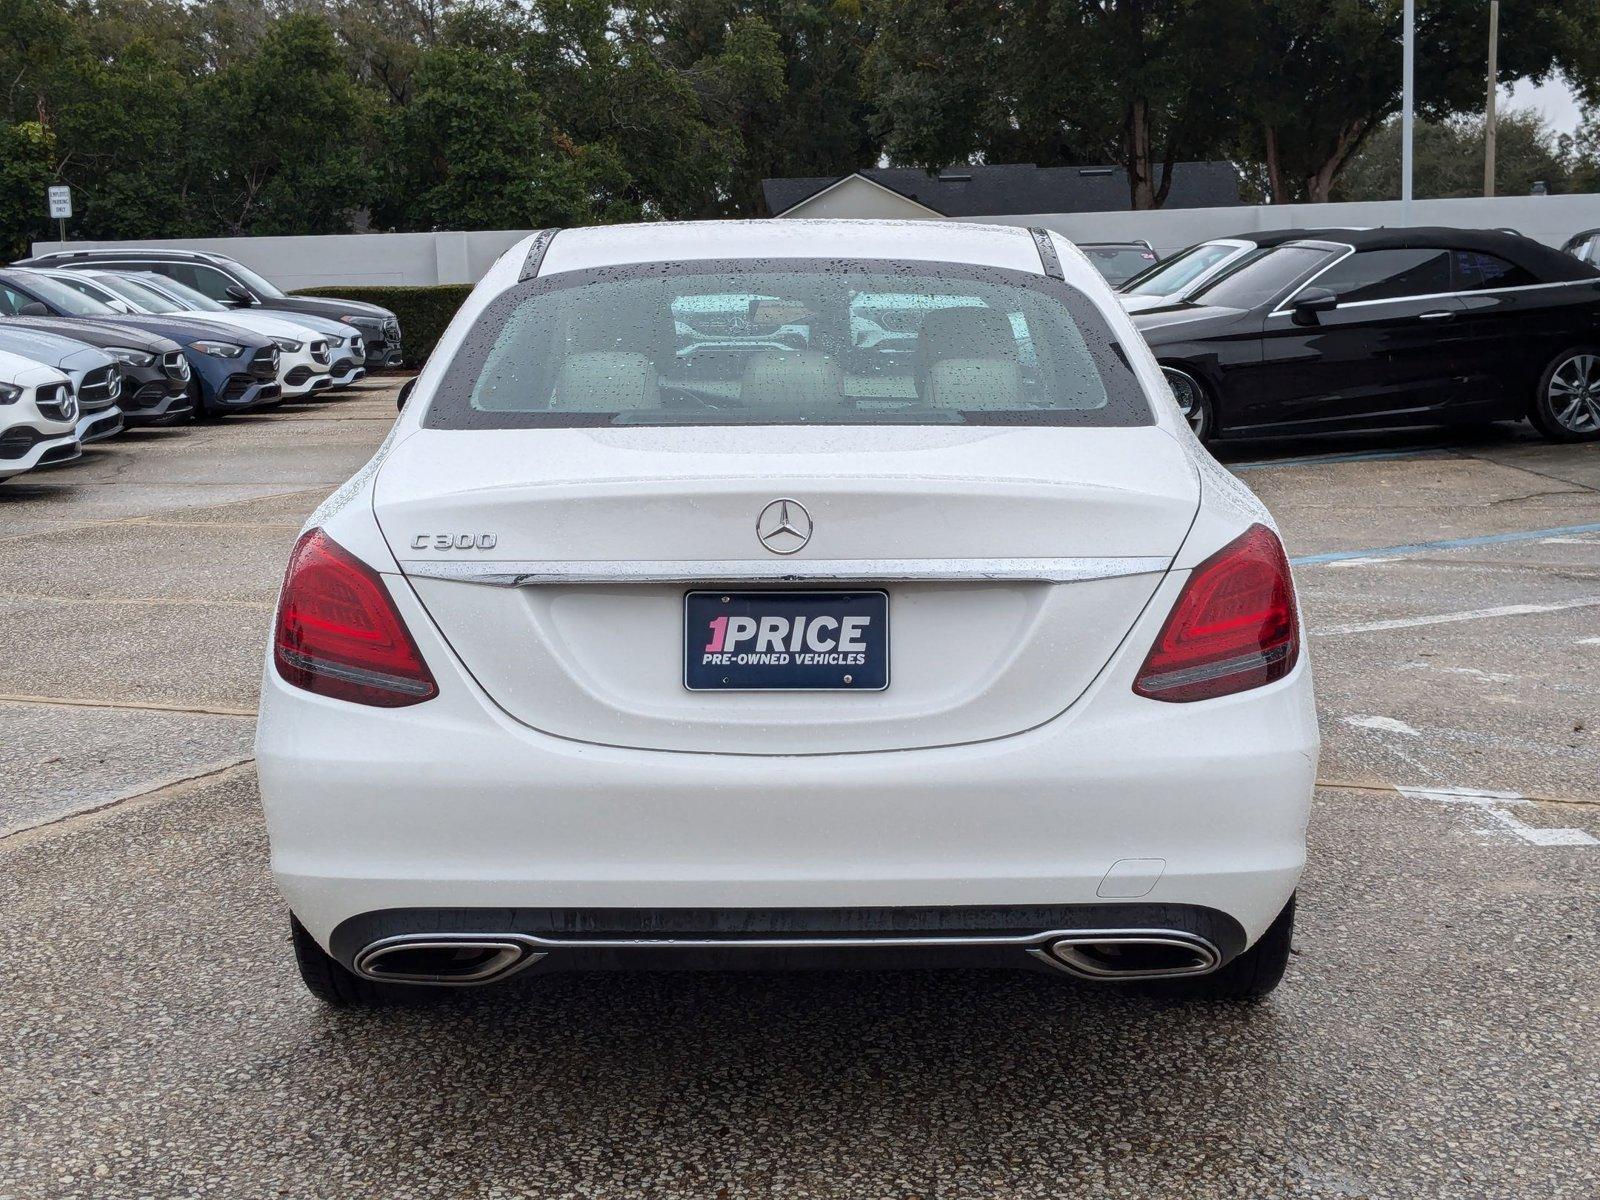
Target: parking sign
[60, 202]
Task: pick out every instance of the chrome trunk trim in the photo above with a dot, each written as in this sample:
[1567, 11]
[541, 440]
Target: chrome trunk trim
[761, 570]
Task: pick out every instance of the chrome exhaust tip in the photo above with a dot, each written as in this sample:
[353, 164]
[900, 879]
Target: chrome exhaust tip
[1131, 955]
[449, 960]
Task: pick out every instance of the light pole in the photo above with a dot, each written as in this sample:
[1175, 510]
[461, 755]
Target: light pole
[1407, 101]
[1489, 113]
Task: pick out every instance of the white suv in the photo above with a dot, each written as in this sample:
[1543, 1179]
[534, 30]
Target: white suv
[38, 413]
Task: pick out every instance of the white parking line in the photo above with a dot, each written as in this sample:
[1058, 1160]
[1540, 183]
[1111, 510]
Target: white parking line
[1466, 543]
[1318, 460]
[1383, 724]
[1474, 614]
[1493, 805]
[1474, 672]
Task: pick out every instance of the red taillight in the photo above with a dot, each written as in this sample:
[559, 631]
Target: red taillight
[339, 633]
[1233, 627]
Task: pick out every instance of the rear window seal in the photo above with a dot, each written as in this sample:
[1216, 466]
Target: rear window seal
[450, 405]
[536, 253]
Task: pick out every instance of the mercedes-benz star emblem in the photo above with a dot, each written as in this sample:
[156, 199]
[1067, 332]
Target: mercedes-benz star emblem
[784, 526]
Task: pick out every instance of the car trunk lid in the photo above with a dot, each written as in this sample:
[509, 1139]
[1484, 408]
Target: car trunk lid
[556, 562]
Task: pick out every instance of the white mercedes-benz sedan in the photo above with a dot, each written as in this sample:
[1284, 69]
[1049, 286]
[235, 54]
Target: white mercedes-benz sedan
[38, 415]
[677, 623]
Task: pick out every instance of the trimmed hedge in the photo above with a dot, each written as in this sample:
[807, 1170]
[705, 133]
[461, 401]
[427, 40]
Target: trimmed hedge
[423, 311]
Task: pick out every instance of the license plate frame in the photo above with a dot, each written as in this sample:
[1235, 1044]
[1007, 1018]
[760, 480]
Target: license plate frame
[701, 608]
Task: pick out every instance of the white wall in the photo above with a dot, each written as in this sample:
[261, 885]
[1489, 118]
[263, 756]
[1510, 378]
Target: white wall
[453, 257]
[1549, 219]
[375, 258]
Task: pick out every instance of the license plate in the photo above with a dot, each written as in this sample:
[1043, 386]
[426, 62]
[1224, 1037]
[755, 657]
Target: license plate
[786, 641]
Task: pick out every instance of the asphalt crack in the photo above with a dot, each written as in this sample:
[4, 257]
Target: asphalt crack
[137, 705]
[165, 789]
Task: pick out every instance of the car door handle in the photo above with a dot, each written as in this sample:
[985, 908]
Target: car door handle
[1441, 314]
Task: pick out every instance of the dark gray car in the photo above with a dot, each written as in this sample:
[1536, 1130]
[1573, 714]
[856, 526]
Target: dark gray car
[155, 374]
[236, 285]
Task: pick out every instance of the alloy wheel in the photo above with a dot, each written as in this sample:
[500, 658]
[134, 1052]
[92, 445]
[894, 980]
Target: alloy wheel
[1574, 394]
[1191, 403]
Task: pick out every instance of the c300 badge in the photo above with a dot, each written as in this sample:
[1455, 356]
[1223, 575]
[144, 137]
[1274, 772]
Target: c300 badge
[453, 541]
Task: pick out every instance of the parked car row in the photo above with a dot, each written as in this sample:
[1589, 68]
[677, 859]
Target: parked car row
[93, 341]
[1305, 331]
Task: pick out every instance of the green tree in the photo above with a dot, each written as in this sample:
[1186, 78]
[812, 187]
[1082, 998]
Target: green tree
[1448, 159]
[785, 75]
[1135, 82]
[128, 174]
[672, 121]
[27, 168]
[474, 149]
[34, 34]
[1324, 75]
[383, 40]
[1583, 154]
[284, 135]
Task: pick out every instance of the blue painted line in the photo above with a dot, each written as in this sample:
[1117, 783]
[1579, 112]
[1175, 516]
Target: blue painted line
[1491, 539]
[1318, 460]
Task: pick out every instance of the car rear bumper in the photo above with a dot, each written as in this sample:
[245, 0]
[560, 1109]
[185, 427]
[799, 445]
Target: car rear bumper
[1188, 939]
[451, 805]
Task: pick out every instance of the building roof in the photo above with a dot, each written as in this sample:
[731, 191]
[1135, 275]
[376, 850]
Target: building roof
[1012, 188]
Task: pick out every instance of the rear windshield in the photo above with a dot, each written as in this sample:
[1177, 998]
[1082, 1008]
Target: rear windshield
[1119, 263]
[764, 342]
[1171, 276]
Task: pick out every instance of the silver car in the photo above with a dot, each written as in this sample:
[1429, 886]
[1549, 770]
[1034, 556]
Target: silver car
[96, 379]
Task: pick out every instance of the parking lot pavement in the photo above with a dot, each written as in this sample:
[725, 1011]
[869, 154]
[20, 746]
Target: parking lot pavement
[1466, 665]
[1435, 1036]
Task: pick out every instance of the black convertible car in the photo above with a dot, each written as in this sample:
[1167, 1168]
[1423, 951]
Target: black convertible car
[1388, 327]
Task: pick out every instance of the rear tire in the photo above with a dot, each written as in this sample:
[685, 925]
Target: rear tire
[197, 400]
[1566, 407]
[331, 981]
[1193, 402]
[1250, 976]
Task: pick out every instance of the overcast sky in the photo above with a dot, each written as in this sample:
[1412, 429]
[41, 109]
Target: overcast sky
[1553, 98]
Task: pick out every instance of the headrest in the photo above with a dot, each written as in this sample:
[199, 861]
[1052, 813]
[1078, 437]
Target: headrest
[792, 378]
[961, 333]
[605, 381]
[969, 333]
[975, 383]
